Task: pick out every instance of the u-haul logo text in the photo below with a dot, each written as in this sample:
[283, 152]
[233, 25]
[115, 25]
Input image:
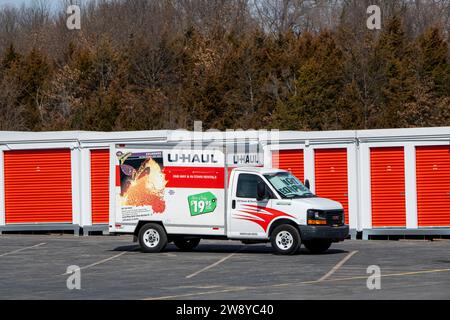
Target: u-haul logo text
[194, 158]
[245, 159]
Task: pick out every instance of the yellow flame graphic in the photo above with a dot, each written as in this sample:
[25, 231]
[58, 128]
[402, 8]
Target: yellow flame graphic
[146, 187]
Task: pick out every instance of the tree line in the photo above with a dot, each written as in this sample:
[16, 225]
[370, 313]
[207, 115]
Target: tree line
[286, 64]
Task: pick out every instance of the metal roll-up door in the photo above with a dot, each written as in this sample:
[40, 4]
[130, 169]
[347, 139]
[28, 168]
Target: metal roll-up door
[331, 180]
[433, 186]
[38, 186]
[387, 172]
[100, 186]
[291, 160]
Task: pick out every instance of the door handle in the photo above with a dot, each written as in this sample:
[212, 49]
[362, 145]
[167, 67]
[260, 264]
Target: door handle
[233, 204]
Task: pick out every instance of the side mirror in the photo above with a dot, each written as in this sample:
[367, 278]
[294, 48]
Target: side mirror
[307, 183]
[261, 190]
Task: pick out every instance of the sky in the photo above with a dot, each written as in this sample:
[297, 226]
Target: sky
[18, 3]
[11, 2]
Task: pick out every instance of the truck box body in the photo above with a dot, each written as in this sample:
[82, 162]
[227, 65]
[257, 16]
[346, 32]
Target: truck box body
[185, 189]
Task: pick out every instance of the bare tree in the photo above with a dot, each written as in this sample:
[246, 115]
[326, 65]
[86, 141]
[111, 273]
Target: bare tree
[278, 16]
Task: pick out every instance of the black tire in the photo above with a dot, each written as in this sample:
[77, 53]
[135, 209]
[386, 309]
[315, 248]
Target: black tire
[317, 246]
[155, 232]
[286, 233]
[186, 244]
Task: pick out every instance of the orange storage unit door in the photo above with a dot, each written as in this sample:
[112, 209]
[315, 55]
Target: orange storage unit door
[433, 186]
[100, 186]
[291, 160]
[330, 166]
[387, 175]
[38, 186]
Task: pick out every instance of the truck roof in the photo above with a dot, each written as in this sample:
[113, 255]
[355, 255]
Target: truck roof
[260, 170]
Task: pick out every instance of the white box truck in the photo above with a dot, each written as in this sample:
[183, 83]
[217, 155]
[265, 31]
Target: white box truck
[163, 194]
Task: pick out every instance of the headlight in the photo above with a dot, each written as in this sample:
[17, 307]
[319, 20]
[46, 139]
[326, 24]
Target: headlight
[316, 214]
[316, 217]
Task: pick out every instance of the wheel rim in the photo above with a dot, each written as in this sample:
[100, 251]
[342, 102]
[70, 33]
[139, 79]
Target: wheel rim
[284, 240]
[151, 238]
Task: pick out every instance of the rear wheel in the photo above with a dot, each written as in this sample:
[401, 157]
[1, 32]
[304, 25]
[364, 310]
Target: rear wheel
[285, 239]
[186, 244]
[152, 238]
[317, 246]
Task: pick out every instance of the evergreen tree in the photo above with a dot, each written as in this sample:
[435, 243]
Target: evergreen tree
[392, 68]
[316, 104]
[433, 62]
[31, 74]
[10, 57]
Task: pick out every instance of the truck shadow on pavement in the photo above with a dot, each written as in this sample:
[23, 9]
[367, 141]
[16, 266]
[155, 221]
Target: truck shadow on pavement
[214, 248]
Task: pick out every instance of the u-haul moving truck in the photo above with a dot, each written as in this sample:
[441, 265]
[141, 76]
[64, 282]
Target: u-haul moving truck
[164, 194]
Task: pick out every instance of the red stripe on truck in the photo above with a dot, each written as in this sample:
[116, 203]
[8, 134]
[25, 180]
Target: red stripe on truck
[117, 176]
[195, 177]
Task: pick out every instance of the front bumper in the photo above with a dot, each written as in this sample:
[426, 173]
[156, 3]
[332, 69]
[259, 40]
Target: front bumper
[334, 234]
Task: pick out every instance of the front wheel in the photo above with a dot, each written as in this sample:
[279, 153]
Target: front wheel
[285, 239]
[317, 246]
[152, 238]
[186, 244]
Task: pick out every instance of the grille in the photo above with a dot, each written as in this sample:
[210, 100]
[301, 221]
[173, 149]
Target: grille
[335, 217]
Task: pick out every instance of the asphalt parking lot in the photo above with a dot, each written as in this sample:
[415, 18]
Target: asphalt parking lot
[112, 267]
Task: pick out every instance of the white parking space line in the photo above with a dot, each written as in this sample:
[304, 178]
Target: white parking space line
[22, 249]
[168, 254]
[294, 283]
[180, 296]
[214, 264]
[337, 266]
[99, 262]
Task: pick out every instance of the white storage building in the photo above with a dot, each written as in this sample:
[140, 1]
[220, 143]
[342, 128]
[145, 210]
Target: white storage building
[390, 181]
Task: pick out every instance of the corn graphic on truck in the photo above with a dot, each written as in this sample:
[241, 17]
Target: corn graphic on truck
[164, 194]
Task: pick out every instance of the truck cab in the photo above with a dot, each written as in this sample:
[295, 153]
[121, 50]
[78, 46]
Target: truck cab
[273, 205]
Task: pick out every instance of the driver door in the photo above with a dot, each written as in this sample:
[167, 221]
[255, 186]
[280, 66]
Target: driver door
[248, 218]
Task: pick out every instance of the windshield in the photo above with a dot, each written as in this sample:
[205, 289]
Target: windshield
[288, 186]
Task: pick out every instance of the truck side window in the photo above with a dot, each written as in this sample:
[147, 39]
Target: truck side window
[246, 187]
